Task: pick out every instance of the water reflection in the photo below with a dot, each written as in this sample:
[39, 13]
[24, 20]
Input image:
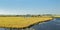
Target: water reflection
[2, 28]
[52, 25]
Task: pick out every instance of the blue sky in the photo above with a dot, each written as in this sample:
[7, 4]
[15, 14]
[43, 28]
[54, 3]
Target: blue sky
[29, 6]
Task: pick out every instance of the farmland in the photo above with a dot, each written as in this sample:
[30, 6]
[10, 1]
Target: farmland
[21, 22]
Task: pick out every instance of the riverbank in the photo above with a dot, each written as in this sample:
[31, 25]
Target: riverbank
[21, 22]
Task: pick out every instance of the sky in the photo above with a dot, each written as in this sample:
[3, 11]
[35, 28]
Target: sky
[22, 7]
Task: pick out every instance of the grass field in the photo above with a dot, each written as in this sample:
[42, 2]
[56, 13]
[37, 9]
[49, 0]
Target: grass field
[57, 16]
[20, 22]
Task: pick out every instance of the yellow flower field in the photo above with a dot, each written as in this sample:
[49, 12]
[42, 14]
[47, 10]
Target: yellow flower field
[20, 22]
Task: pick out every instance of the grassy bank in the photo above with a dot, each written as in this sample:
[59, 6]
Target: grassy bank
[21, 22]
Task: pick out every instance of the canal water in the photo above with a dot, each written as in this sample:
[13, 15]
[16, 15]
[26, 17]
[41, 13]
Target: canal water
[51, 25]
